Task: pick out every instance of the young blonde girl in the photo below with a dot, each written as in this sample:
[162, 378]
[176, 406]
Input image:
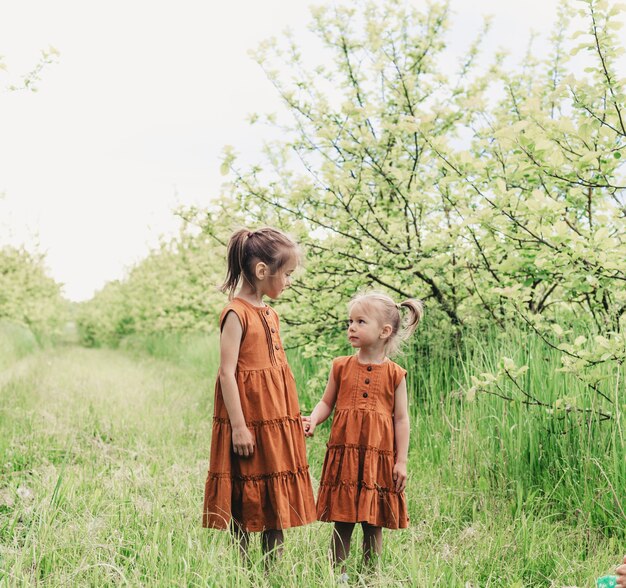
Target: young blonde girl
[258, 477]
[365, 468]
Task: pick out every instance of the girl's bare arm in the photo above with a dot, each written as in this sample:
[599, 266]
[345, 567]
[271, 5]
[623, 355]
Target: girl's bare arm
[401, 433]
[322, 409]
[230, 341]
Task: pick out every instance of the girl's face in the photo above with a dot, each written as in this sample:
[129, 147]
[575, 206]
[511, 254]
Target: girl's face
[364, 329]
[279, 281]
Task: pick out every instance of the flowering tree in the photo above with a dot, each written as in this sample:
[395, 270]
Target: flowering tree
[27, 295]
[497, 197]
[172, 290]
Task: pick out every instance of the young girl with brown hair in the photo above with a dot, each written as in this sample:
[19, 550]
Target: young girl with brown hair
[258, 477]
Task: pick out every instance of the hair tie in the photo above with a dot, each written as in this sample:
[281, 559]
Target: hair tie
[249, 234]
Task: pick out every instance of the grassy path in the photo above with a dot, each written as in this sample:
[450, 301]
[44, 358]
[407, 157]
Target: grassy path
[103, 457]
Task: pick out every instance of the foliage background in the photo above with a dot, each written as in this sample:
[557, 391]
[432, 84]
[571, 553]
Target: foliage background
[496, 195]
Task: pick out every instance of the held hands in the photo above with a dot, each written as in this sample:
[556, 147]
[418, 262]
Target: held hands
[243, 441]
[309, 426]
[399, 476]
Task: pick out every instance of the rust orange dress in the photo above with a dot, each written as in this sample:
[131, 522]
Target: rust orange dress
[272, 488]
[357, 484]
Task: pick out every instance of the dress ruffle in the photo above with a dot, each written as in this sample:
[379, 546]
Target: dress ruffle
[254, 401]
[279, 495]
[370, 499]
[356, 502]
[278, 447]
[265, 490]
[365, 428]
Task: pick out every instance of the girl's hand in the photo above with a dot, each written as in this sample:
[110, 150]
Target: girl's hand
[243, 441]
[309, 426]
[399, 475]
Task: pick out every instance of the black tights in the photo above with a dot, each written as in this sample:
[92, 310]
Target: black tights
[271, 542]
[342, 535]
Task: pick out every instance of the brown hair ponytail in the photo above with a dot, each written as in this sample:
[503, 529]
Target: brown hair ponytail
[234, 259]
[246, 248]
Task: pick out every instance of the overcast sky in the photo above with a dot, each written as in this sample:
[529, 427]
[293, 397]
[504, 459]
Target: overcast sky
[133, 118]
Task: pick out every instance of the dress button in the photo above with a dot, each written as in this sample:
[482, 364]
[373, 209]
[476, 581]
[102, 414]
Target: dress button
[273, 330]
[267, 312]
[367, 380]
[364, 394]
[369, 368]
[276, 346]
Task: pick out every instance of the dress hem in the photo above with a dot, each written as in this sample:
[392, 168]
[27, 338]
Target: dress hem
[257, 528]
[386, 525]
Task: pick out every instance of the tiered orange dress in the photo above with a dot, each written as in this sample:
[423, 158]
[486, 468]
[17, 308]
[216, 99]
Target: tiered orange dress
[271, 489]
[357, 477]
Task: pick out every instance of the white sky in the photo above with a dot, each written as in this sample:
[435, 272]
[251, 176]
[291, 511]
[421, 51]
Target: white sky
[133, 118]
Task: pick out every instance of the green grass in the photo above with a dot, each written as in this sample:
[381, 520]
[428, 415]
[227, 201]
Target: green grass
[104, 455]
[16, 342]
[194, 351]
